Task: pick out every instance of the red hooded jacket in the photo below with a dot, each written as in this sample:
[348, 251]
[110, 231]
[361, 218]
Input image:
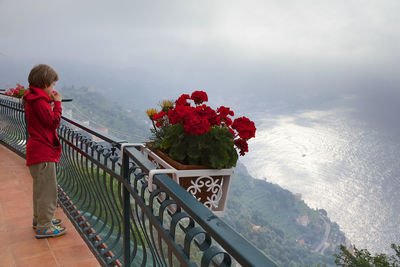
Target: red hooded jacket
[43, 120]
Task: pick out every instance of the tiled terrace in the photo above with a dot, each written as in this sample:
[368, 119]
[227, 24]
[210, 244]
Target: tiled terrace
[18, 245]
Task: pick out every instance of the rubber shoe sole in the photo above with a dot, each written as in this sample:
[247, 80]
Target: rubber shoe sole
[51, 232]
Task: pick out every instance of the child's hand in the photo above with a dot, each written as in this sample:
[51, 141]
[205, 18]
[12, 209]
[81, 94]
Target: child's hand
[56, 95]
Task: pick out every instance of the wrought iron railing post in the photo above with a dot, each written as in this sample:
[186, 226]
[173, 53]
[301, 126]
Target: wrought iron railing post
[126, 207]
[126, 204]
[26, 129]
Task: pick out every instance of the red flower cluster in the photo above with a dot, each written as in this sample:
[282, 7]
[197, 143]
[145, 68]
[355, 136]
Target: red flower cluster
[245, 128]
[159, 118]
[199, 119]
[199, 97]
[194, 123]
[242, 145]
[182, 100]
[223, 113]
[18, 92]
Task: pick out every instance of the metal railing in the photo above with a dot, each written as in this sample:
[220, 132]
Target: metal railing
[103, 190]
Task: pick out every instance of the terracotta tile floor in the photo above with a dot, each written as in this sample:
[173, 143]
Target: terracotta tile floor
[18, 245]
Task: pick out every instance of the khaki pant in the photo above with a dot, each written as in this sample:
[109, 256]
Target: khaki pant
[44, 193]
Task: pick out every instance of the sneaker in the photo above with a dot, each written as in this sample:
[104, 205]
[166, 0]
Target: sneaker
[55, 222]
[52, 231]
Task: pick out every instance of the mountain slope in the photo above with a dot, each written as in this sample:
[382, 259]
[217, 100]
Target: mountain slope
[280, 224]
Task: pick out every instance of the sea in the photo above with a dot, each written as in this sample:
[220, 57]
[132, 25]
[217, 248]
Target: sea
[339, 158]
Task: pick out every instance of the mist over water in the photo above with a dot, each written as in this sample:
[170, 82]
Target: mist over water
[339, 161]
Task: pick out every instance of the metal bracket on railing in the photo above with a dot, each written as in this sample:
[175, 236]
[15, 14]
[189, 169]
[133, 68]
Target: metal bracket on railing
[151, 172]
[158, 171]
[123, 145]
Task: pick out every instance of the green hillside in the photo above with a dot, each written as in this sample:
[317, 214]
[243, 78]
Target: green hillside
[266, 215]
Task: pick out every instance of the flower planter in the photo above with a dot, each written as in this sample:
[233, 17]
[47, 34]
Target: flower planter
[202, 135]
[209, 186]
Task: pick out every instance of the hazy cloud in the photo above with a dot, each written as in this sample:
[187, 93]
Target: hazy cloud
[274, 48]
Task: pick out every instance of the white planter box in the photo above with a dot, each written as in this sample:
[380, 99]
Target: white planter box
[209, 186]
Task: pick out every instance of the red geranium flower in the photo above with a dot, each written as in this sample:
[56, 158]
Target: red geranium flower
[223, 113]
[176, 114]
[182, 100]
[242, 145]
[199, 97]
[208, 113]
[195, 124]
[245, 127]
[159, 115]
[17, 92]
[159, 118]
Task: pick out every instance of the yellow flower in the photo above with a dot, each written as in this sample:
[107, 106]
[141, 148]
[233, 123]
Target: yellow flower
[151, 111]
[166, 105]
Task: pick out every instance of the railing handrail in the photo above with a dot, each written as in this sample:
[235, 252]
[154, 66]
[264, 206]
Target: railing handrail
[89, 129]
[95, 132]
[63, 100]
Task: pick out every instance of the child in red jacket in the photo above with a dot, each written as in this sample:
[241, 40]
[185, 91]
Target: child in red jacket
[43, 149]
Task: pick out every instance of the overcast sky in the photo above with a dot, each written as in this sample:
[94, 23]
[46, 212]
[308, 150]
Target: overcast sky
[274, 48]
